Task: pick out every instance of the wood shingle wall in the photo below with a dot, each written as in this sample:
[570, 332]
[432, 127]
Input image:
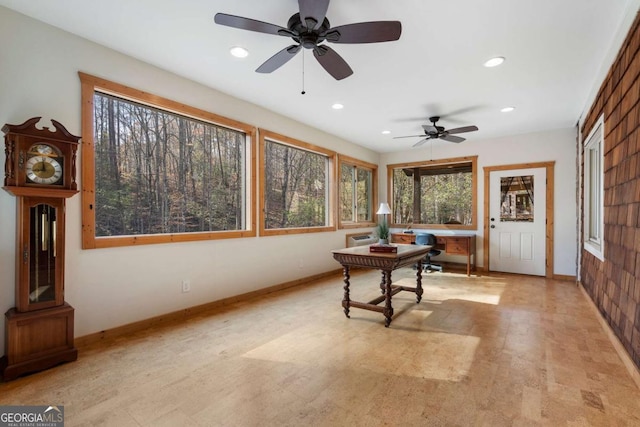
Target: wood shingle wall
[614, 285]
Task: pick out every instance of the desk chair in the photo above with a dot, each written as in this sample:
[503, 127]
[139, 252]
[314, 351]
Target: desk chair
[429, 239]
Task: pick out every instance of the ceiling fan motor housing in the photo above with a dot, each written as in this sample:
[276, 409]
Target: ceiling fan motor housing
[304, 33]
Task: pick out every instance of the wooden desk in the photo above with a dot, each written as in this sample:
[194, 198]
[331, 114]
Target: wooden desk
[360, 256]
[451, 244]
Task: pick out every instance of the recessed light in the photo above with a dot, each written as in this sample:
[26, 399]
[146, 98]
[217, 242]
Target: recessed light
[239, 52]
[386, 132]
[337, 106]
[494, 62]
[507, 109]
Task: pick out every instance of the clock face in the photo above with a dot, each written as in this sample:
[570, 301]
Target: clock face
[43, 165]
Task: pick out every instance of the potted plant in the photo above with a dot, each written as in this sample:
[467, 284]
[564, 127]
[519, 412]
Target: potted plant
[382, 230]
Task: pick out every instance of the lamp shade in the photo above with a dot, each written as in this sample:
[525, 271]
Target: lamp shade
[383, 209]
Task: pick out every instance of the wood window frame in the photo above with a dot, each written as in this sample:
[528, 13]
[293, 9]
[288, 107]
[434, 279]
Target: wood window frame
[342, 159]
[474, 192]
[263, 136]
[89, 85]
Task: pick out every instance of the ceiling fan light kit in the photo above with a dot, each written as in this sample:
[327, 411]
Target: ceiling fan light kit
[310, 28]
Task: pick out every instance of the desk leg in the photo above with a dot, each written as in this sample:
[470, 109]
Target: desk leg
[382, 283]
[388, 309]
[419, 283]
[345, 300]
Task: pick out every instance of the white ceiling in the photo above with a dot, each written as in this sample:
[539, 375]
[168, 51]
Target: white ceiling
[553, 48]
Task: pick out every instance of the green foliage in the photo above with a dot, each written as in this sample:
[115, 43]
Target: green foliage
[382, 230]
[444, 198]
[295, 187]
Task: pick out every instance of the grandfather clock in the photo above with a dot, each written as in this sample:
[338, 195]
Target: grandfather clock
[40, 171]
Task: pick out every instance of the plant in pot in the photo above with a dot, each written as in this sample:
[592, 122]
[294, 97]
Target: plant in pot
[382, 230]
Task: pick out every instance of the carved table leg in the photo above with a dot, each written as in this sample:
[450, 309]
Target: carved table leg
[419, 283]
[388, 309]
[346, 300]
[382, 283]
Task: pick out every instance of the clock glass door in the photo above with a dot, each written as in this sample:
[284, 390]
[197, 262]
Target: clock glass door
[42, 248]
[40, 281]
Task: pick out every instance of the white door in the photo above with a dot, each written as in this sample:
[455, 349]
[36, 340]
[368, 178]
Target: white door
[517, 221]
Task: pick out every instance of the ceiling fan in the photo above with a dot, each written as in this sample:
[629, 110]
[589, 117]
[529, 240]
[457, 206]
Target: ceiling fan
[438, 132]
[309, 29]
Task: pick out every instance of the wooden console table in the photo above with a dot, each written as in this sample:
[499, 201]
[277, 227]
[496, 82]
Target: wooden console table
[451, 244]
[360, 256]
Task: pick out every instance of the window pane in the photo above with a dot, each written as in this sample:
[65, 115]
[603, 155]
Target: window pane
[516, 198]
[440, 194]
[346, 192]
[594, 193]
[159, 172]
[364, 192]
[295, 187]
[402, 197]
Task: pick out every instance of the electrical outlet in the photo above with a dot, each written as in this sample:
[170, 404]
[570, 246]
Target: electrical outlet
[186, 286]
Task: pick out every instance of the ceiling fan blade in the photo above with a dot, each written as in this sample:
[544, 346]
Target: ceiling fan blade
[332, 62]
[452, 138]
[250, 24]
[408, 136]
[279, 59]
[366, 32]
[313, 12]
[462, 129]
[419, 143]
[430, 129]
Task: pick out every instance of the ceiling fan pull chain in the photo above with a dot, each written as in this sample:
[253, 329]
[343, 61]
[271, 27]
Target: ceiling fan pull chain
[303, 92]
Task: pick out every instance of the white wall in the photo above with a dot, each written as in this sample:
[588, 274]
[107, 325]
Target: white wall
[112, 287]
[555, 145]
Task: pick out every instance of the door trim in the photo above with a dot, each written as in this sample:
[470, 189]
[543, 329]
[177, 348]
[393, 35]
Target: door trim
[549, 211]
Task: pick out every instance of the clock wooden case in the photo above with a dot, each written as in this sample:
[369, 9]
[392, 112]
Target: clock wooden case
[40, 170]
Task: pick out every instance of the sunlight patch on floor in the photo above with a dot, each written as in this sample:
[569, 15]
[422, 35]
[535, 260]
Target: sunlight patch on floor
[486, 296]
[434, 355]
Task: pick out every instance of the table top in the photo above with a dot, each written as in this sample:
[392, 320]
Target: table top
[359, 256]
[402, 250]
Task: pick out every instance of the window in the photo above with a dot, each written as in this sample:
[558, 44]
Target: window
[594, 190]
[296, 182]
[155, 171]
[434, 194]
[357, 191]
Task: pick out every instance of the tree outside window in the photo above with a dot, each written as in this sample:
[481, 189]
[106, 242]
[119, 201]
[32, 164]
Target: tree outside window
[437, 194]
[357, 192]
[156, 174]
[296, 185]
